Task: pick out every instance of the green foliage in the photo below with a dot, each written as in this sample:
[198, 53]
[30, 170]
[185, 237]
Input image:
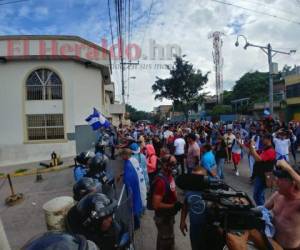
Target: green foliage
[227, 97]
[2, 174]
[136, 115]
[220, 110]
[253, 85]
[182, 87]
[21, 170]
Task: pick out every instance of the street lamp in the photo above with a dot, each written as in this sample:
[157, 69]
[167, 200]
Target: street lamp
[133, 78]
[270, 53]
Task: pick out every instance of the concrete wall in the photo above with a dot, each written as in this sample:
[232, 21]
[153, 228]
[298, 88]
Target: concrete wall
[81, 89]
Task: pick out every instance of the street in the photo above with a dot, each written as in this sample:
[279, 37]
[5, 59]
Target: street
[26, 219]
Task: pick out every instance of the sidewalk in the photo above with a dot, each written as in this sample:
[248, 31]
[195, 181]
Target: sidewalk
[69, 161]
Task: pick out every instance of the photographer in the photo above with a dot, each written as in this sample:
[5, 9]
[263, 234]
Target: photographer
[264, 162]
[195, 207]
[285, 205]
[165, 204]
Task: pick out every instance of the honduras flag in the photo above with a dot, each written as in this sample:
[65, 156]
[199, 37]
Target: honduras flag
[97, 120]
[267, 112]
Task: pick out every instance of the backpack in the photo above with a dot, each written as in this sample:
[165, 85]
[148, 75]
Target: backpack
[152, 188]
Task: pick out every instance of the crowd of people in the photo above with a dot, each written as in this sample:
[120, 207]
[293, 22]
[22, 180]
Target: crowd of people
[153, 156]
[205, 148]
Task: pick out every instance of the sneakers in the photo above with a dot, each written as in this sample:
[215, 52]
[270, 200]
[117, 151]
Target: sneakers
[237, 173]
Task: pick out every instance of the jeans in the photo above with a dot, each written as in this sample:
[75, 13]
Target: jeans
[180, 161]
[165, 232]
[220, 167]
[259, 191]
[197, 236]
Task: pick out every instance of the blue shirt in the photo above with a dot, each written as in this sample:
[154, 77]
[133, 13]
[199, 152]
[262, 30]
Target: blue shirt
[196, 208]
[79, 172]
[208, 161]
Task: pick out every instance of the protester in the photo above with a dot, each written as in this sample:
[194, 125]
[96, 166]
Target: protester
[221, 155]
[285, 206]
[165, 204]
[157, 144]
[131, 180]
[282, 144]
[136, 151]
[208, 161]
[264, 162]
[179, 145]
[193, 153]
[229, 137]
[237, 147]
[140, 173]
[151, 162]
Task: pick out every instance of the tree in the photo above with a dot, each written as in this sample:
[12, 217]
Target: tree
[252, 84]
[136, 115]
[220, 110]
[182, 87]
[227, 97]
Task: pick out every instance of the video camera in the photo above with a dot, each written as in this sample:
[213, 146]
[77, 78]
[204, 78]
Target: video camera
[229, 209]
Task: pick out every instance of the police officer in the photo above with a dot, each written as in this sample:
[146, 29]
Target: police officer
[80, 169]
[57, 240]
[85, 186]
[93, 218]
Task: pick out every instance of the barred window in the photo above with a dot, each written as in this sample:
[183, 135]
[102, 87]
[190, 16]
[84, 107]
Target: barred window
[43, 84]
[45, 127]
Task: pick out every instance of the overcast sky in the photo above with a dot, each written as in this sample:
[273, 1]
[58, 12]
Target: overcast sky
[185, 23]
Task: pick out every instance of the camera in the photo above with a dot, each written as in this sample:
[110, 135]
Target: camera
[229, 209]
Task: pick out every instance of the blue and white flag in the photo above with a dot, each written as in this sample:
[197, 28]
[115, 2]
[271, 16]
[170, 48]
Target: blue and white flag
[97, 120]
[267, 112]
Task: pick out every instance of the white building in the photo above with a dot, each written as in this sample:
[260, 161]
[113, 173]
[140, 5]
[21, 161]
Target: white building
[48, 86]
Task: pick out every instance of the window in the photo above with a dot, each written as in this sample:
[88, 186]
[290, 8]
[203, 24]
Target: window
[293, 90]
[45, 127]
[43, 84]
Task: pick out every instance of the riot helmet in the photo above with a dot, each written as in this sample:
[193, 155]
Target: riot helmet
[82, 158]
[58, 240]
[98, 163]
[95, 207]
[85, 186]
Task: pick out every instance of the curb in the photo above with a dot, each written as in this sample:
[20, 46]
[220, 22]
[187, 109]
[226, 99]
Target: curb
[37, 171]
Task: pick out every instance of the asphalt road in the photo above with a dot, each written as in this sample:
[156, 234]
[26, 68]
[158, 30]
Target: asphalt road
[26, 219]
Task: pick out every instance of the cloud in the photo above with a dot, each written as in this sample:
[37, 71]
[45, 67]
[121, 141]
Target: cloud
[41, 11]
[185, 23]
[24, 11]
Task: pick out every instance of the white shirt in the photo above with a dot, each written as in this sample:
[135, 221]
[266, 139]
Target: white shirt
[167, 133]
[179, 145]
[282, 146]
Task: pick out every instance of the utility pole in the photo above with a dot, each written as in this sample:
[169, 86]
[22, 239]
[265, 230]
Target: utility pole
[271, 101]
[270, 53]
[122, 76]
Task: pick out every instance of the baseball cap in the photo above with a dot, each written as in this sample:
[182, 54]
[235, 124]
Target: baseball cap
[134, 147]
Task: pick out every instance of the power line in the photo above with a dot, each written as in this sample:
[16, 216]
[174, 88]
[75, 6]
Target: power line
[255, 11]
[147, 23]
[112, 37]
[254, 2]
[12, 2]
